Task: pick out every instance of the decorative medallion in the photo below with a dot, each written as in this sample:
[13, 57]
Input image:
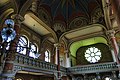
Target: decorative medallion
[78, 22]
[59, 27]
[97, 15]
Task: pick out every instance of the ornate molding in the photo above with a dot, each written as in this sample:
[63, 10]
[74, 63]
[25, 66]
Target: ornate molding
[111, 33]
[18, 19]
[57, 45]
[78, 22]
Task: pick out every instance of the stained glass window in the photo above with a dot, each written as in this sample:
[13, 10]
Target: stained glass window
[47, 56]
[22, 45]
[92, 54]
[33, 51]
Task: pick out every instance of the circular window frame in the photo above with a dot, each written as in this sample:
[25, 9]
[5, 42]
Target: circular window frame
[92, 54]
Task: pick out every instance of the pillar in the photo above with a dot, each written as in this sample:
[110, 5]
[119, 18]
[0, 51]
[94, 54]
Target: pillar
[4, 54]
[8, 70]
[113, 55]
[68, 63]
[111, 33]
[57, 47]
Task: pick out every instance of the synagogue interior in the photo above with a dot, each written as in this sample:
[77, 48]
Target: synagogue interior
[59, 40]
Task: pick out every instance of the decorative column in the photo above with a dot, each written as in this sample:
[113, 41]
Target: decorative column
[113, 55]
[67, 58]
[57, 46]
[67, 62]
[111, 33]
[8, 70]
[3, 56]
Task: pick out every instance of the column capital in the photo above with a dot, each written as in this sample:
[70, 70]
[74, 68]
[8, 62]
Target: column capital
[18, 19]
[110, 33]
[66, 51]
[57, 45]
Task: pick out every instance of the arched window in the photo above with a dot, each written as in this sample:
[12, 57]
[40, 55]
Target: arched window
[23, 47]
[22, 44]
[33, 51]
[47, 56]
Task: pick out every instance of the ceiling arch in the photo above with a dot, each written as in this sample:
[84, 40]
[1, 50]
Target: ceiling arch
[86, 30]
[76, 45]
[25, 7]
[15, 6]
[3, 2]
[5, 14]
[39, 26]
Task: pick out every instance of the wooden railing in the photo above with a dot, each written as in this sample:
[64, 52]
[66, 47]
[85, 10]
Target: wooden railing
[103, 67]
[26, 63]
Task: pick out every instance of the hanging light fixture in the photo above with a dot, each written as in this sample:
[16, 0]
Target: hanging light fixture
[8, 33]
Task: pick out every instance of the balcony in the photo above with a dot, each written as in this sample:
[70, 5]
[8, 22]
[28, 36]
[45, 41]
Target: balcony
[102, 67]
[25, 63]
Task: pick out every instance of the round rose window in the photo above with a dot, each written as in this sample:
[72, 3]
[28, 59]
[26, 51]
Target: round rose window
[92, 54]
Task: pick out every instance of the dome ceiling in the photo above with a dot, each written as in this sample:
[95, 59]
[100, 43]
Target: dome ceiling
[66, 11]
[69, 8]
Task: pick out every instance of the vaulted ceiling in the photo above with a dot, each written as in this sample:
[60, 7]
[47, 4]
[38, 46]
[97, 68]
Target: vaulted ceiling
[67, 10]
[68, 20]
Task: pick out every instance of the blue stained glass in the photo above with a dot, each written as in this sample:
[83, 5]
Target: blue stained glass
[8, 34]
[9, 21]
[33, 52]
[22, 45]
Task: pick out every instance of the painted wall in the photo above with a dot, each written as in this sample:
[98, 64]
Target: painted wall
[106, 54]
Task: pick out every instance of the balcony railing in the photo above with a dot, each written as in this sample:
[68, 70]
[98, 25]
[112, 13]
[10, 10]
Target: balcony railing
[31, 64]
[103, 67]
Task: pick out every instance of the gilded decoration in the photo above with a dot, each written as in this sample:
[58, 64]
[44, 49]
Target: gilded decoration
[97, 15]
[59, 27]
[78, 22]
